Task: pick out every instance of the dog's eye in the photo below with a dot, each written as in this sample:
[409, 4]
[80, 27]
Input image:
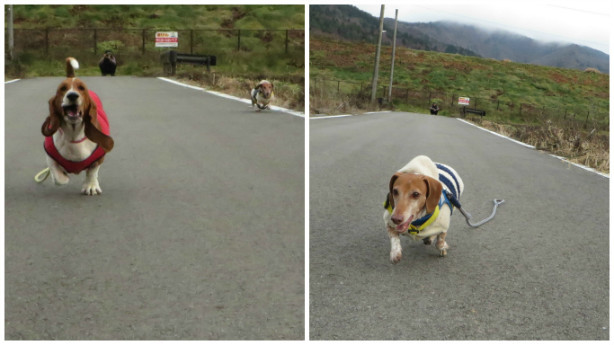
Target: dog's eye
[415, 195]
[395, 192]
[81, 88]
[63, 88]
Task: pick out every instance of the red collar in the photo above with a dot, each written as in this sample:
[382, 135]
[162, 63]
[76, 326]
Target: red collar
[78, 141]
[74, 141]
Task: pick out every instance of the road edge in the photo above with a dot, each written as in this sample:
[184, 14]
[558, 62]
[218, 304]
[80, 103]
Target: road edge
[533, 148]
[243, 100]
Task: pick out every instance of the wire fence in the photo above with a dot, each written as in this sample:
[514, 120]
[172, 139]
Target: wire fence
[90, 43]
[347, 94]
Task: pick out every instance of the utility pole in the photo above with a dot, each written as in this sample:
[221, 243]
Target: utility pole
[394, 46]
[379, 45]
[11, 33]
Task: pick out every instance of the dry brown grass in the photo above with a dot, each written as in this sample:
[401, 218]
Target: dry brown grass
[327, 101]
[287, 94]
[586, 147]
[592, 70]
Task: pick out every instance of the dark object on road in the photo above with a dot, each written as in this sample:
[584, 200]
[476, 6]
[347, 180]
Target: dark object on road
[108, 64]
[434, 109]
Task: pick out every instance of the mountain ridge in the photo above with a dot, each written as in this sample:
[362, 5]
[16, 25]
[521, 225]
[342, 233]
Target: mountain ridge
[347, 22]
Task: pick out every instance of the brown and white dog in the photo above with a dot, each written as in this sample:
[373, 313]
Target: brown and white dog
[76, 132]
[417, 205]
[262, 94]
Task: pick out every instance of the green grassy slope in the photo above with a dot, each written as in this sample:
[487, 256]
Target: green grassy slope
[204, 29]
[159, 16]
[562, 111]
[491, 81]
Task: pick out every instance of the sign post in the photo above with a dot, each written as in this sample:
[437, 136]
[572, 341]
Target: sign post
[167, 39]
[463, 100]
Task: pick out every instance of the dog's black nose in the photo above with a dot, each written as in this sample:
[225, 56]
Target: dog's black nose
[396, 220]
[72, 96]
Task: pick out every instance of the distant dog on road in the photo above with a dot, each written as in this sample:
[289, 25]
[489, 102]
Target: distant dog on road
[417, 204]
[107, 64]
[76, 132]
[262, 94]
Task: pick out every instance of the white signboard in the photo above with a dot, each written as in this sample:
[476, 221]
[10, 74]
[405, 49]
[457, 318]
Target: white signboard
[463, 100]
[167, 39]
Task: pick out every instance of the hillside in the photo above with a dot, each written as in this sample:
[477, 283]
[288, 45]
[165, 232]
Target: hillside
[246, 39]
[486, 78]
[503, 45]
[562, 111]
[253, 17]
[346, 22]
[250, 43]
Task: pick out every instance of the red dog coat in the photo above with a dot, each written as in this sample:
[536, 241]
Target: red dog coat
[76, 167]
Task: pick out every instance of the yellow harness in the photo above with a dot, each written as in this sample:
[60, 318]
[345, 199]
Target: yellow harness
[420, 224]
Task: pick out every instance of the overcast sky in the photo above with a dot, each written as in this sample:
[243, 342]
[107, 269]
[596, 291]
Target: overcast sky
[585, 22]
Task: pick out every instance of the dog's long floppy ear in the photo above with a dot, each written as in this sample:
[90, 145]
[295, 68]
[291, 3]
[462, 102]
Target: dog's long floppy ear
[391, 185]
[433, 194]
[52, 122]
[90, 119]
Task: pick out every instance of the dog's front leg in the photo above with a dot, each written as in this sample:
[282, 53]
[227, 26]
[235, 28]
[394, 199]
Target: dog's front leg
[441, 244]
[90, 185]
[58, 175]
[395, 246]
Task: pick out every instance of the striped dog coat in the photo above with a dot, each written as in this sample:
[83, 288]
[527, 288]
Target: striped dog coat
[450, 181]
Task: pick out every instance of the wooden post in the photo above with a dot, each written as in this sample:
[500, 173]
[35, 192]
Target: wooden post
[47, 42]
[377, 52]
[394, 46]
[192, 44]
[11, 34]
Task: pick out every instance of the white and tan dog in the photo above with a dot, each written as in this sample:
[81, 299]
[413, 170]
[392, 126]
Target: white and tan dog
[417, 204]
[76, 132]
[262, 94]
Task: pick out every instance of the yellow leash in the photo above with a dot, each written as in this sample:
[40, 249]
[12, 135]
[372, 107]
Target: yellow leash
[42, 175]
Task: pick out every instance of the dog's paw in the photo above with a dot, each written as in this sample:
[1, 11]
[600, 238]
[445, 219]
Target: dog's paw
[443, 253]
[59, 178]
[395, 257]
[91, 188]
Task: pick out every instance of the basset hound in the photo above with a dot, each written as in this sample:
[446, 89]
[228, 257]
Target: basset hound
[417, 204]
[76, 132]
[262, 94]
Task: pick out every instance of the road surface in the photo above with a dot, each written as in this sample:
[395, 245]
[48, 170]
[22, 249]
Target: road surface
[539, 270]
[199, 232]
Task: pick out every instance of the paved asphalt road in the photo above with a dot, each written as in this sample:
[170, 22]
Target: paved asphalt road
[199, 232]
[539, 270]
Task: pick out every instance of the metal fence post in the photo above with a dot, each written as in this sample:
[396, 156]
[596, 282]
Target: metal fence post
[191, 41]
[239, 41]
[47, 42]
[95, 42]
